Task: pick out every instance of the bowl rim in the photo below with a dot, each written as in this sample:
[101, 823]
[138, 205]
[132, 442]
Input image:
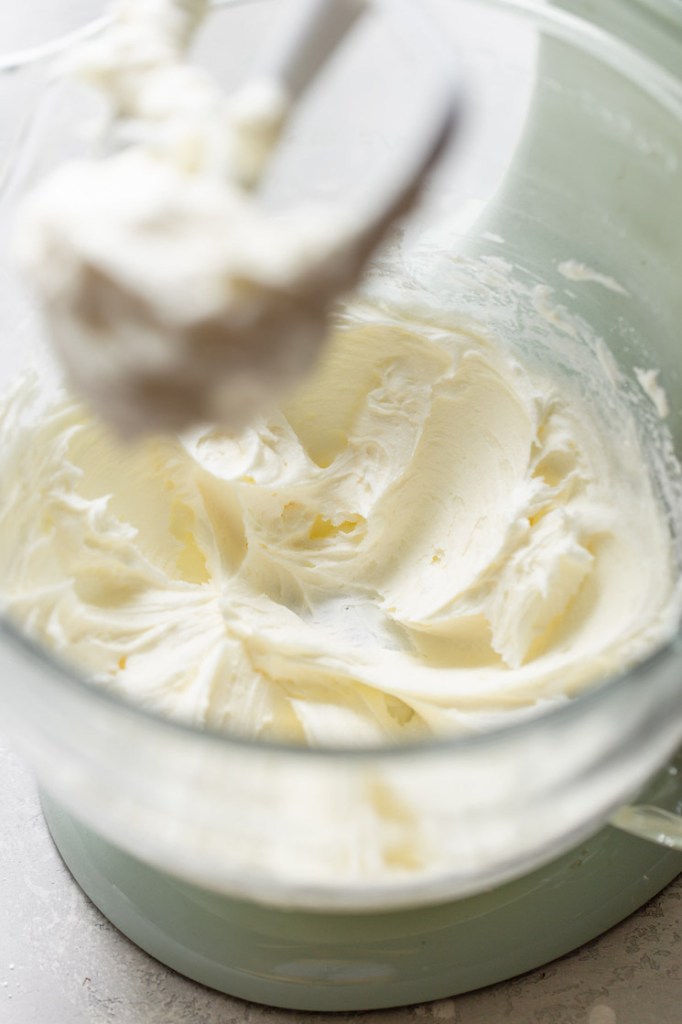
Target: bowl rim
[665, 89]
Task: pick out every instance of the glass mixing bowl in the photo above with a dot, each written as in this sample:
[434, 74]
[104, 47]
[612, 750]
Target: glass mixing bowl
[571, 151]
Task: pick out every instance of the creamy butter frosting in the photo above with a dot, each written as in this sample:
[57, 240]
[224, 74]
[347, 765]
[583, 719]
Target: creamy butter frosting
[429, 537]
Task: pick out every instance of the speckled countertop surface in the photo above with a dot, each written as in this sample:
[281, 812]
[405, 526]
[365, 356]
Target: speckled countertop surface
[62, 963]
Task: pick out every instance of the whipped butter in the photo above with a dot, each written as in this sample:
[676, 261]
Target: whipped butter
[430, 536]
[427, 538]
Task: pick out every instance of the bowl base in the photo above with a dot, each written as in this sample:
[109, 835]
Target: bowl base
[324, 961]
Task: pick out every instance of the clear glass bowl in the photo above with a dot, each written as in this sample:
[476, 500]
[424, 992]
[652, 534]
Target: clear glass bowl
[571, 150]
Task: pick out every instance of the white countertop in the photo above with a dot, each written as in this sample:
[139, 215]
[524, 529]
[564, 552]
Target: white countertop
[62, 963]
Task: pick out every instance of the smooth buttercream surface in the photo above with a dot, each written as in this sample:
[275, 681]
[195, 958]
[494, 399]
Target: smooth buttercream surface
[429, 537]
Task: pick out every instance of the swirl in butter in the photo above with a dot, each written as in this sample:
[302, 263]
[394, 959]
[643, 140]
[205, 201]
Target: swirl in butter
[428, 538]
